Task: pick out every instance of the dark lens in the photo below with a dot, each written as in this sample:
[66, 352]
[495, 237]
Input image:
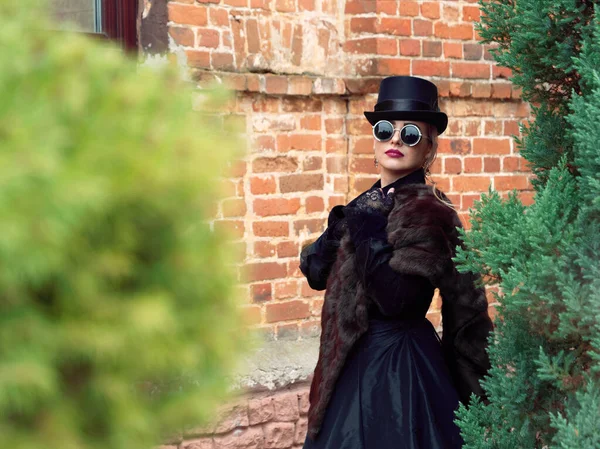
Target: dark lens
[383, 130]
[410, 135]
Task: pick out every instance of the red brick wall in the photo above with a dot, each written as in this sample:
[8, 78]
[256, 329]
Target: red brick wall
[304, 71]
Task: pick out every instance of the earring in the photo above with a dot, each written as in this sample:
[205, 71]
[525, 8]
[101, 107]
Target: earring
[376, 162]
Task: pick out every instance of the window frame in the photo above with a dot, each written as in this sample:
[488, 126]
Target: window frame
[119, 22]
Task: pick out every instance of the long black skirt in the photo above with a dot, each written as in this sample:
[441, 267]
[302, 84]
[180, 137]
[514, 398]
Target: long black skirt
[394, 391]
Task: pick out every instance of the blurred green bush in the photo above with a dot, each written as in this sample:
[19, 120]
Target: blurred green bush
[118, 319]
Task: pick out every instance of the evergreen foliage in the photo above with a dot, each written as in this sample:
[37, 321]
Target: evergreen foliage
[544, 385]
[118, 318]
[537, 40]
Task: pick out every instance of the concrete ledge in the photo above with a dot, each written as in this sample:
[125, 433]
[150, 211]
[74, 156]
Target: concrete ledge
[277, 364]
[309, 85]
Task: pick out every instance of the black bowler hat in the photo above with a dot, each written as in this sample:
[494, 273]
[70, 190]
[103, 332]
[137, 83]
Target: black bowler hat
[408, 97]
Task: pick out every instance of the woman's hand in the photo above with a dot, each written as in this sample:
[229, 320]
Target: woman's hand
[367, 218]
[336, 223]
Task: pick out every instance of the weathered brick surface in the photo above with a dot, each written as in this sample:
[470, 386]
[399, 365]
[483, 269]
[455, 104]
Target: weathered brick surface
[362, 38]
[286, 407]
[251, 438]
[303, 72]
[308, 152]
[255, 421]
[279, 435]
[300, 430]
[232, 418]
[202, 443]
[261, 410]
[303, 402]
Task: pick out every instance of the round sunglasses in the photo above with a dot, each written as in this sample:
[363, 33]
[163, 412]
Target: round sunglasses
[410, 134]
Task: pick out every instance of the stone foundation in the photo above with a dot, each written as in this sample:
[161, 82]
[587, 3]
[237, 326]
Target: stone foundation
[262, 420]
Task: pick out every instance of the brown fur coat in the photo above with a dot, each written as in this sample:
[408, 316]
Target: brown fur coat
[423, 234]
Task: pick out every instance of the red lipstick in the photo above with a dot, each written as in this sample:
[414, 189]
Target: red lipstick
[394, 153]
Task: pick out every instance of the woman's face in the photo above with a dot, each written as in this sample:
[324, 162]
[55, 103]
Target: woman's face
[397, 159]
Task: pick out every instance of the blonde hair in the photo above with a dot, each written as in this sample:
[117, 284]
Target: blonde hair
[433, 138]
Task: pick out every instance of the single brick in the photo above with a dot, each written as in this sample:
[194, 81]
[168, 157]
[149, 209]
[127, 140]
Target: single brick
[187, 14]
[501, 72]
[264, 249]
[431, 68]
[208, 37]
[363, 25]
[287, 310]
[432, 49]
[221, 61]
[473, 52]
[473, 164]
[314, 204]
[453, 50]
[274, 164]
[422, 27]
[409, 8]
[491, 164]
[470, 70]
[286, 407]
[260, 410]
[287, 249]
[392, 67]
[481, 90]
[263, 271]
[471, 183]
[301, 183]
[261, 292]
[286, 289]
[471, 13]
[451, 13]
[182, 36]
[395, 26]
[262, 186]
[519, 182]
[452, 165]
[483, 145]
[271, 229]
[410, 47]
[431, 10]
[198, 59]
[265, 207]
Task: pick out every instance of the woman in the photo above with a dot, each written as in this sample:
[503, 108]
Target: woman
[383, 378]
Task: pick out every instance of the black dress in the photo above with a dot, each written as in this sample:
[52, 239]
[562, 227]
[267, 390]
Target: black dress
[395, 390]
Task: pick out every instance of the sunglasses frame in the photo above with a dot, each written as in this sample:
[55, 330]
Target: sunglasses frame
[421, 136]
